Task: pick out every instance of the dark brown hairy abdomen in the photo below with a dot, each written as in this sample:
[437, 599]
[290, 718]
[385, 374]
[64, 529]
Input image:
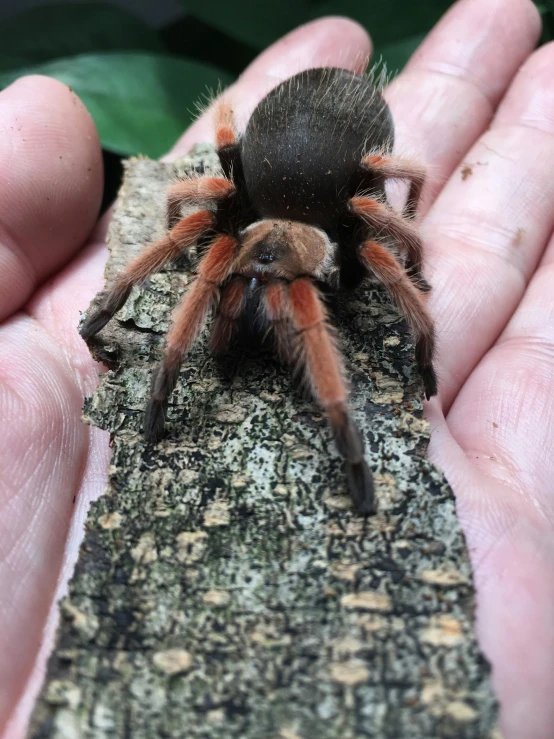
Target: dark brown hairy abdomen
[304, 141]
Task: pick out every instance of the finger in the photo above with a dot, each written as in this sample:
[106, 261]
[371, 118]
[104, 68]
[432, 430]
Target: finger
[334, 42]
[503, 421]
[488, 229]
[50, 183]
[446, 95]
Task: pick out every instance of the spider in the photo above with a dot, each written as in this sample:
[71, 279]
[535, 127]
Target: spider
[300, 208]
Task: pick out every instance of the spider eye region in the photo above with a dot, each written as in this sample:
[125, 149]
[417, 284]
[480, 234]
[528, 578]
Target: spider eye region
[282, 248]
[273, 247]
[266, 257]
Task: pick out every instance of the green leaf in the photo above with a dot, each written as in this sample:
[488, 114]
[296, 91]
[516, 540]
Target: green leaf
[141, 103]
[55, 31]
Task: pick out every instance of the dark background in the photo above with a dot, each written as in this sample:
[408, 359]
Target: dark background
[141, 66]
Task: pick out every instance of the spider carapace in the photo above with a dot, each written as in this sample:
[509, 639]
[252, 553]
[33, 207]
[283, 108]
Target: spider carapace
[301, 204]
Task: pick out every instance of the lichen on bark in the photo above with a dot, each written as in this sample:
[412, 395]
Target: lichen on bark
[225, 586]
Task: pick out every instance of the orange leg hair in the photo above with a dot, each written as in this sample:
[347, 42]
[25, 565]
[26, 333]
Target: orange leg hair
[224, 123]
[411, 302]
[196, 191]
[324, 368]
[381, 218]
[277, 310]
[230, 309]
[152, 259]
[402, 169]
[188, 321]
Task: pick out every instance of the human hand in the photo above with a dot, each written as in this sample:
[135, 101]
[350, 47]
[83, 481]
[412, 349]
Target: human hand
[484, 127]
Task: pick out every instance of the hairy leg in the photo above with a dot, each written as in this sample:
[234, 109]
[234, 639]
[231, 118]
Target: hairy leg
[318, 353]
[225, 128]
[228, 149]
[392, 168]
[188, 321]
[196, 191]
[411, 302]
[384, 221]
[275, 303]
[230, 309]
[152, 259]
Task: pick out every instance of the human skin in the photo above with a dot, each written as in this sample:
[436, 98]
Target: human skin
[476, 105]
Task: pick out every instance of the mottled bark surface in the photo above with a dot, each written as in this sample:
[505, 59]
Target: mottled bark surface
[226, 587]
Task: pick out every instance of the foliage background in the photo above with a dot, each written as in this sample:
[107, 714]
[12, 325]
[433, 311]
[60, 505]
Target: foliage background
[141, 84]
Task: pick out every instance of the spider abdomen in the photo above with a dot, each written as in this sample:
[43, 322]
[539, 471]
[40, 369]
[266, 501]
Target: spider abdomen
[304, 142]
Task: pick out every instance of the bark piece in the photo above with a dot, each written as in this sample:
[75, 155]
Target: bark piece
[225, 586]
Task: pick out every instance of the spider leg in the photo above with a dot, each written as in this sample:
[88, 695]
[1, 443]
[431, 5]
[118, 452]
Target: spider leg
[228, 148]
[152, 259]
[391, 167]
[230, 309]
[196, 191]
[324, 367]
[411, 302]
[275, 302]
[381, 218]
[225, 128]
[189, 319]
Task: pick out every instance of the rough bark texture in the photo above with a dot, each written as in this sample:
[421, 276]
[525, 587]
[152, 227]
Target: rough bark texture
[225, 586]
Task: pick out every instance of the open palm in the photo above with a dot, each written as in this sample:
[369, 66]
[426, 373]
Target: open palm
[476, 105]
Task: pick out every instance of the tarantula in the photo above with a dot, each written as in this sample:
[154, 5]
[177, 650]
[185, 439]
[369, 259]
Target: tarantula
[301, 205]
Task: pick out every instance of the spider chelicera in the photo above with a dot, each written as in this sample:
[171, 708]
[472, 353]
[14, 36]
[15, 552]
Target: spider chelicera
[301, 204]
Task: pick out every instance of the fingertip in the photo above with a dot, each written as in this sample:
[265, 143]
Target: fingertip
[50, 109]
[533, 17]
[333, 41]
[39, 85]
[482, 42]
[530, 99]
[51, 179]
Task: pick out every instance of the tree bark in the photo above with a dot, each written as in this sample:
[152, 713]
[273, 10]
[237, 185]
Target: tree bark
[225, 586]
